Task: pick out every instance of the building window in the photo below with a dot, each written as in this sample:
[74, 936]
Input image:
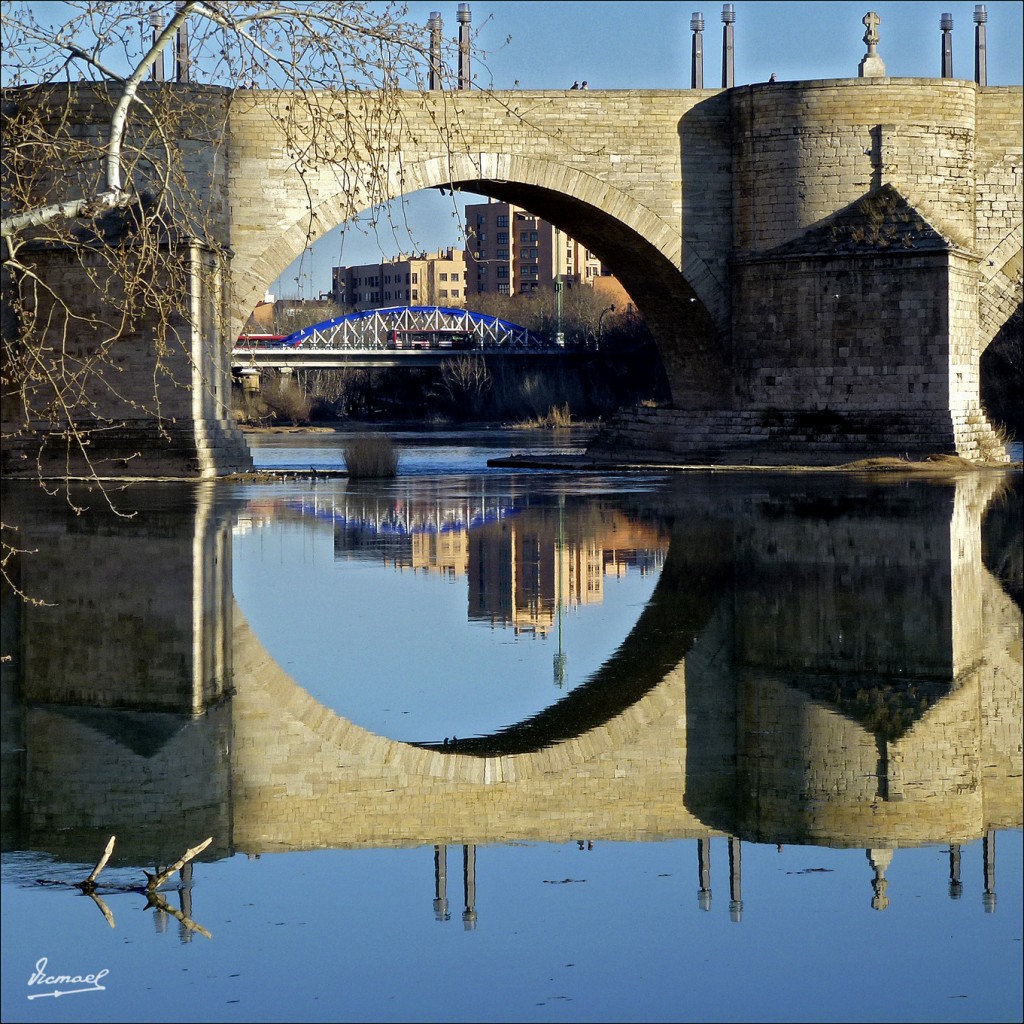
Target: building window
[415, 278]
[502, 221]
[503, 289]
[455, 293]
[502, 272]
[502, 238]
[455, 277]
[444, 277]
[415, 293]
[503, 254]
[444, 293]
[524, 236]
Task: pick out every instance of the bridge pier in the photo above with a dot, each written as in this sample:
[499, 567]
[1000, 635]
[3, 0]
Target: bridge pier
[155, 401]
[835, 358]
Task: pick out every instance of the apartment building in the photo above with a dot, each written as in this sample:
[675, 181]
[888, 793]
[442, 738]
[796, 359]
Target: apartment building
[427, 279]
[510, 251]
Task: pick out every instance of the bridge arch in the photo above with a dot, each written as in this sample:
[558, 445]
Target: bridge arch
[683, 301]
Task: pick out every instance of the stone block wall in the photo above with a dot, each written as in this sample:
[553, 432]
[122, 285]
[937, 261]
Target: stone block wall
[680, 191]
[804, 150]
[142, 360]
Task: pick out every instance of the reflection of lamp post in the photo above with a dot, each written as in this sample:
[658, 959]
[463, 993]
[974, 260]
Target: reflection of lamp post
[600, 323]
[559, 549]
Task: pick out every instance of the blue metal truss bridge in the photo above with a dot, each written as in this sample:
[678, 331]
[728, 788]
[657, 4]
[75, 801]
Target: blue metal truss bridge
[395, 336]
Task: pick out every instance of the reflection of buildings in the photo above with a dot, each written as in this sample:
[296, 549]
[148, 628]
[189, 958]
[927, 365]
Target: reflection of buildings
[446, 552]
[522, 565]
[523, 570]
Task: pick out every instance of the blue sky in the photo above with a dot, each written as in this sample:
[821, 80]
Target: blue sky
[638, 44]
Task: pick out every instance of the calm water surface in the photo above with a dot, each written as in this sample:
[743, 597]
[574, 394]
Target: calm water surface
[485, 745]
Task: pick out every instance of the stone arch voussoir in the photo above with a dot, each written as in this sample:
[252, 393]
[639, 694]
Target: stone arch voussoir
[436, 171]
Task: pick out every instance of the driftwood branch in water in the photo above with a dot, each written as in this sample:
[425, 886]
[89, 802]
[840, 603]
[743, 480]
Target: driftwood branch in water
[157, 902]
[90, 883]
[155, 881]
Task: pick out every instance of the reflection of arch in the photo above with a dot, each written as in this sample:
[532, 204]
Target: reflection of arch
[623, 690]
[679, 609]
[282, 698]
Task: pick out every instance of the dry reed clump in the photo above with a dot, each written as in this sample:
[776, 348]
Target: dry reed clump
[371, 456]
[557, 416]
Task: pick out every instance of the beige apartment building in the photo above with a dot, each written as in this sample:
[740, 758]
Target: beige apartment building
[509, 251]
[428, 279]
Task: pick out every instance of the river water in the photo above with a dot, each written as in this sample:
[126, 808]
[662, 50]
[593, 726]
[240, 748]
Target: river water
[478, 744]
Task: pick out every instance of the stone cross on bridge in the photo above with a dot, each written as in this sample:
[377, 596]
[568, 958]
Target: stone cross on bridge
[872, 66]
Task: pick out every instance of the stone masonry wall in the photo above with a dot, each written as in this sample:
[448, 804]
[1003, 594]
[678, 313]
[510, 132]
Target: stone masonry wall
[804, 150]
[157, 399]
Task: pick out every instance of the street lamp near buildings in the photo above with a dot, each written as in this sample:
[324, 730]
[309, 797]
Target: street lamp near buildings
[600, 323]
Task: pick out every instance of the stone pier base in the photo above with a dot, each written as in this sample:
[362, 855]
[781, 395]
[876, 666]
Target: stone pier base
[137, 449]
[771, 437]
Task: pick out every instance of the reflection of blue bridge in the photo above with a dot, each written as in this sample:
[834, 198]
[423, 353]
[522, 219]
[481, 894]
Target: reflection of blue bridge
[402, 519]
[397, 336]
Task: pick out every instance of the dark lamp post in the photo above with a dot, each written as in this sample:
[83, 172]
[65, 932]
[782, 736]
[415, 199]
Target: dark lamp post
[600, 323]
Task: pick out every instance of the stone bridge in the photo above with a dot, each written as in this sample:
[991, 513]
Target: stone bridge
[822, 263]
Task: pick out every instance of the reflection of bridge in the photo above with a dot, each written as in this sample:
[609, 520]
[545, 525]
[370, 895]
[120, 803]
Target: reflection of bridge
[394, 518]
[397, 336]
[727, 712]
[523, 562]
